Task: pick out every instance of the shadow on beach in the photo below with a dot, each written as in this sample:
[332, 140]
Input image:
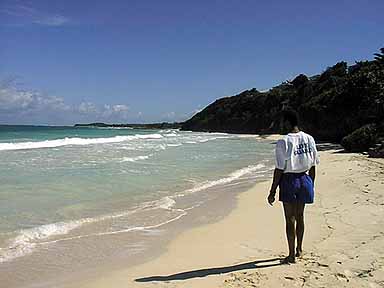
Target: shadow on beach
[213, 271]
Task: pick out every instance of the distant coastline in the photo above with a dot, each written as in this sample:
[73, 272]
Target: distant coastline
[162, 125]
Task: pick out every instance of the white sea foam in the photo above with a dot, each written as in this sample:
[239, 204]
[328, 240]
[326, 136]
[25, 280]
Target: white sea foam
[257, 136]
[27, 239]
[134, 159]
[116, 128]
[172, 134]
[74, 141]
[25, 243]
[174, 145]
[129, 229]
[231, 177]
[169, 131]
[218, 133]
[212, 139]
[161, 147]
[166, 203]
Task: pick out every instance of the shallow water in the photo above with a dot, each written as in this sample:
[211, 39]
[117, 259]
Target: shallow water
[63, 187]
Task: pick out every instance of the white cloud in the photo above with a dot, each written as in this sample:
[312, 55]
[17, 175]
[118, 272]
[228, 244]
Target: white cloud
[54, 20]
[22, 106]
[120, 108]
[22, 14]
[25, 106]
[87, 108]
[169, 116]
[117, 111]
[52, 102]
[13, 99]
[178, 117]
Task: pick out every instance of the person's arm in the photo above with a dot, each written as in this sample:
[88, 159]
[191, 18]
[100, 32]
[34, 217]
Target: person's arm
[276, 180]
[312, 173]
[316, 160]
[280, 163]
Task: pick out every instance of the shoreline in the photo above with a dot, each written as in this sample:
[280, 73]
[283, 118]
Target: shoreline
[217, 204]
[343, 241]
[210, 211]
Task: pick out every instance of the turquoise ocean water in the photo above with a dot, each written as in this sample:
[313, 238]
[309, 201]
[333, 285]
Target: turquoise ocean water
[63, 184]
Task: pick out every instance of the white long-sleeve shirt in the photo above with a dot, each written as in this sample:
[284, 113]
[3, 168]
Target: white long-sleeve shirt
[296, 153]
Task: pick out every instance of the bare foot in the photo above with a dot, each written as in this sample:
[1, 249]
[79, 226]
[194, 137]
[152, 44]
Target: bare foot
[299, 253]
[288, 260]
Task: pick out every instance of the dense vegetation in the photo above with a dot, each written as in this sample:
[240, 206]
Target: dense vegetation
[331, 105]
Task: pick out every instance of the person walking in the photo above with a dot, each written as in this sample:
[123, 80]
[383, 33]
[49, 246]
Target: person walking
[294, 174]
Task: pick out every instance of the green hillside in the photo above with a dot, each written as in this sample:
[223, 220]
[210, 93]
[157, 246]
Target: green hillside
[331, 105]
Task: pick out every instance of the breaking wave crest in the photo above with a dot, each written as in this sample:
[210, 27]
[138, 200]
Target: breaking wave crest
[73, 141]
[231, 177]
[27, 239]
[134, 159]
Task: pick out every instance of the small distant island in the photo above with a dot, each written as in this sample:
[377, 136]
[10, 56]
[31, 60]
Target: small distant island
[162, 125]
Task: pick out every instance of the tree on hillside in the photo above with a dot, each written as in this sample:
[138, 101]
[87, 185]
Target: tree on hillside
[379, 57]
[332, 104]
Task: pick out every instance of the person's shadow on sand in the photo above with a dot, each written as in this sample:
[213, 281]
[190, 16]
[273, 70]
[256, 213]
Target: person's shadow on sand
[213, 271]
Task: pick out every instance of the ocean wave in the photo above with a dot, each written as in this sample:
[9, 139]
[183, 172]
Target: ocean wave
[174, 145]
[115, 128]
[231, 177]
[134, 159]
[129, 229]
[172, 134]
[218, 133]
[73, 141]
[166, 203]
[257, 136]
[27, 239]
[24, 243]
[212, 139]
[169, 131]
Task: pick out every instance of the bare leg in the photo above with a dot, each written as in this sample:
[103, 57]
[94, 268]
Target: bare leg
[299, 227]
[289, 212]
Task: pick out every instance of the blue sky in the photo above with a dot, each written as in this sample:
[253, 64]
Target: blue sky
[63, 62]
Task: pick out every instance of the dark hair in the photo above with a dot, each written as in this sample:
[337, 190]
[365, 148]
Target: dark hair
[291, 116]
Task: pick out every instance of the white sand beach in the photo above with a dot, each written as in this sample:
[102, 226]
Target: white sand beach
[343, 242]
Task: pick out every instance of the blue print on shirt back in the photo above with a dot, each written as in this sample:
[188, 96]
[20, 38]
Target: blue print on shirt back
[302, 148]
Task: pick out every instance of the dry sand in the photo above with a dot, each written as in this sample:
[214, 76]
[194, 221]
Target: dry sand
[343, 244]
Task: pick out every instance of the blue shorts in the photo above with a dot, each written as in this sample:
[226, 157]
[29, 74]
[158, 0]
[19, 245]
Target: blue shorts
[296, 187]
